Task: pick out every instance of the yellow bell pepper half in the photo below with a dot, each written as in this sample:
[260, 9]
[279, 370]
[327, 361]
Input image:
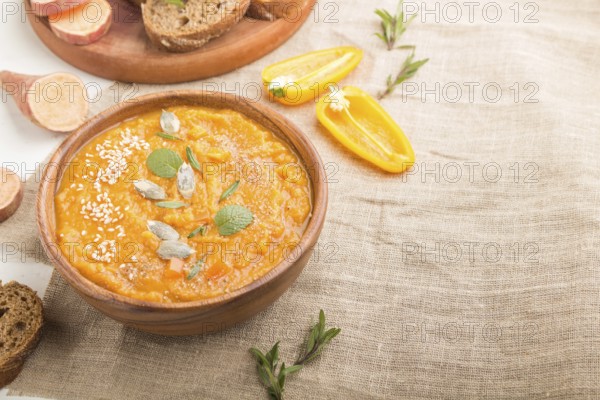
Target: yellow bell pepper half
[306, 77]
[363, 126]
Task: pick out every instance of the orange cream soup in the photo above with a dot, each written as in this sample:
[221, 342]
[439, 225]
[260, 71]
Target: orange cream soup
[102, 220]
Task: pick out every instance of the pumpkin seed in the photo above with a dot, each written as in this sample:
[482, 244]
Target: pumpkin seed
[169, 249]
[169, 122]
[150, 190]
[163, 231]
[185, 180]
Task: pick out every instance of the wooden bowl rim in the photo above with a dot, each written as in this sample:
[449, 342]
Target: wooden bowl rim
[49, 184]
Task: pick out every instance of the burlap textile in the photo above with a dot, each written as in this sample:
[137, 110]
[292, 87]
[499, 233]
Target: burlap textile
[473, 276]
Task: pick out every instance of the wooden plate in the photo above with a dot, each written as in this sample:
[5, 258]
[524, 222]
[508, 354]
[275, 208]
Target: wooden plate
[125, 53]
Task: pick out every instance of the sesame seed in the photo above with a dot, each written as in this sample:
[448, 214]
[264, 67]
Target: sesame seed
[115, 156]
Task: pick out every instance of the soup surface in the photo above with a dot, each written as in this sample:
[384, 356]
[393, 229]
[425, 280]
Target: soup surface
[243, 213]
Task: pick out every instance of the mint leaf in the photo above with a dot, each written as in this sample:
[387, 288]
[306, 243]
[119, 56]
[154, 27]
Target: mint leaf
[232, 219]
[164, 163]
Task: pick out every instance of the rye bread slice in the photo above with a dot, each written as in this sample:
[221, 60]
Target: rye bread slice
[21, 320]
[271, 10]
[181, 29]
[9, 374]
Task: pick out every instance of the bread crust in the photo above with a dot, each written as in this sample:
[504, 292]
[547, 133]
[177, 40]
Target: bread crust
[11, 361]
[9, 375]
[188, 41]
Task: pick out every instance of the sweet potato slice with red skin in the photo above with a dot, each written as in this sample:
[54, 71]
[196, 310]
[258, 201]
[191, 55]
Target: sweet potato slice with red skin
[56, 101]
[45, 8]
[83, 25]
[11, 193]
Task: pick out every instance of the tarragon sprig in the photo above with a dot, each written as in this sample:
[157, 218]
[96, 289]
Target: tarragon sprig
[317, 340]
[393, 26]
[177, 3]
[273, 376]
[408, 70]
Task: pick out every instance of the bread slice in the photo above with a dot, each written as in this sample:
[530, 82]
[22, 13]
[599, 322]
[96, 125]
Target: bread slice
[11, 193]
[275, 9]
[187, 28]
[21, 320]
[8, 375]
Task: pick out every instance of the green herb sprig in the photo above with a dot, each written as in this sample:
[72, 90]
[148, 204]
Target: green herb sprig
[408, 70]
[196, 268]
[201, 230]
[274, 376]
[229, 191]
[317, 340]
[178, 3]
[167, 136]
[393, 26]
[271, 377]
[192, 158]
[171, 204]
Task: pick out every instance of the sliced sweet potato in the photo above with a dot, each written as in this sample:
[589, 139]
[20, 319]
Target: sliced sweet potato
[56, 102]
[11, 193]
[271, 10]
[84, 24]
[45, 8]
[175, 268]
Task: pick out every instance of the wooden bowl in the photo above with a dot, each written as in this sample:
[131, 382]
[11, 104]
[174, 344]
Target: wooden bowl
[201, 316]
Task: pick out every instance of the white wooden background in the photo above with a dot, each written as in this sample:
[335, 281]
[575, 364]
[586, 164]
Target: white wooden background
[20, 140]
